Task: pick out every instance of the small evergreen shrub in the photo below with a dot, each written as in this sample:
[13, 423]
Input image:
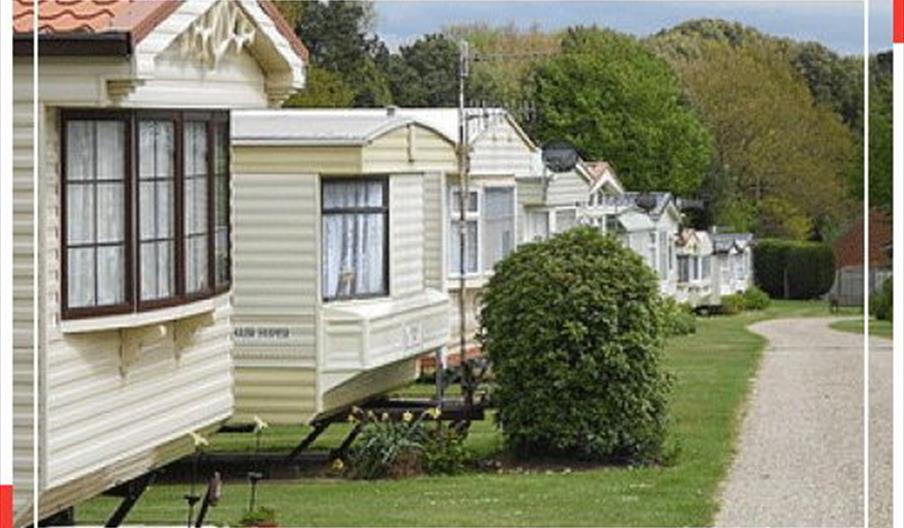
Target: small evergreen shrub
[756, 299]
[881, 302]
[574, 327]
[678, 318]
[732, 304]
[793, 269]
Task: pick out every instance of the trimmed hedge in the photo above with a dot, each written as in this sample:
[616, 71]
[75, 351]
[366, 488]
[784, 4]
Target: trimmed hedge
[790, 269]
[574, 328]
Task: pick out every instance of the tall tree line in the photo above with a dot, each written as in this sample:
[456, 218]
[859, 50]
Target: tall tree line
[767, 131]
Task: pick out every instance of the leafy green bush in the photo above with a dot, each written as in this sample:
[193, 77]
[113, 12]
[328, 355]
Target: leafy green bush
[793, 269]
[574, 329]
[881, 302]
[261, 516]
[392, 448]
[444, 451]
[678, 318]
[755, 299]
[732, 304]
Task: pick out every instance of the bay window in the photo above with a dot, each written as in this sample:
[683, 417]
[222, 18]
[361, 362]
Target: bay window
[135, 197]
[355, 238]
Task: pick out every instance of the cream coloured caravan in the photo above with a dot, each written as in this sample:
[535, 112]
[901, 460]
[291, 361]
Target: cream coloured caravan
[339, 270]
[500, 154]
[122, 271]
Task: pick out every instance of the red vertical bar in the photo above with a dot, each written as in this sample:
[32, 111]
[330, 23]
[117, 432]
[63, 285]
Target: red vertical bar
[6, 506]
[898, 21]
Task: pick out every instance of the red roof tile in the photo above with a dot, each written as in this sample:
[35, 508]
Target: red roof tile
[849, 246]
[136, 17]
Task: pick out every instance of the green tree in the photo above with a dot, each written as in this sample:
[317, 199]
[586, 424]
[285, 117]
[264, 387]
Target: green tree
[615, 100]
[881, 145]
[323, 89]
[772, 138]
[425, 73]
[339, 37]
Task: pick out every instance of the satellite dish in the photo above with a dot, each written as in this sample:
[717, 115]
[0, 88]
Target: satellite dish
[559, 156]
[646, 201]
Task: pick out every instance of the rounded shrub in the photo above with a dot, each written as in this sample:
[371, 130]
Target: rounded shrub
[755, 299]
[732, 304]
[573, 327]
[678, 318]
[793, 269]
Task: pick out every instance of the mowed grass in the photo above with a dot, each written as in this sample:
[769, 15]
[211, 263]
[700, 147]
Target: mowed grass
[713, 370]
[876, 328]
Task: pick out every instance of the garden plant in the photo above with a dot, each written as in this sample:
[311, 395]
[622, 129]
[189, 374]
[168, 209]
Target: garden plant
[574, 328]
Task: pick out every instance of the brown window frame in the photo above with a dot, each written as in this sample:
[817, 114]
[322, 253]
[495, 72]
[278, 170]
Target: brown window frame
[217, 121]
[382, 209]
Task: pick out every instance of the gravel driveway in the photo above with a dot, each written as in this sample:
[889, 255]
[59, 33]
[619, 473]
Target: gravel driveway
[800, 451]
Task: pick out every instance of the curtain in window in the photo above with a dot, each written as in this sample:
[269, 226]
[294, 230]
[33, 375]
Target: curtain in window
[194, 153]
[706, 268]
[221, 204]
[95, 213]
[499, 225]
[470, 249]
[354, 239]
[156, 207]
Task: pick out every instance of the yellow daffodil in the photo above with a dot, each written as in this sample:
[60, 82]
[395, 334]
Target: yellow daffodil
[407, 417]
[338, 464]
[199, 440]
[384, 417]
[259, 425]
[435, 413]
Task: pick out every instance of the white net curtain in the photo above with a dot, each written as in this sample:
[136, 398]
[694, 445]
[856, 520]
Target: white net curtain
[95, 223]
[354, 238]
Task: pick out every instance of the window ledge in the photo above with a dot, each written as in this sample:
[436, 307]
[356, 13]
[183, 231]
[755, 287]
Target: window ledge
[453, 283]
[139, 319]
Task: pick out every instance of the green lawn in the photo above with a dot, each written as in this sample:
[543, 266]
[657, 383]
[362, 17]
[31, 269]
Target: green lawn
[713, 370]
[876, 328]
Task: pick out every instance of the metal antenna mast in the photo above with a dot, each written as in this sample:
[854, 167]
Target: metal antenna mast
[463, 199]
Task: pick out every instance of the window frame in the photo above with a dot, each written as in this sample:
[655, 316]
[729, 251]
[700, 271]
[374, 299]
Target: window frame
[454, 219]
[132, 209]
[383, 209]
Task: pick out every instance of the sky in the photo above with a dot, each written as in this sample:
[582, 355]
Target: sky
[837, 24]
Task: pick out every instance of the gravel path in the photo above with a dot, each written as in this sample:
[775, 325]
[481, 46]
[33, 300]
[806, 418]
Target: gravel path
[800, 451]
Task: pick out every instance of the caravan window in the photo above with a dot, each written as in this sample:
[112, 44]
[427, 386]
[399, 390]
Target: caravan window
[684, 268]
[138, 209]
[472, 235]
[499, 224]
[355, 238]
[566, 219]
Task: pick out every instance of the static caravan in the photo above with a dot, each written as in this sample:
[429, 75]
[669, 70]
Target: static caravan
[733, 262]
[501, 153]
[122, 272]
[339, 275]
[695, 281]
[648, 223]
